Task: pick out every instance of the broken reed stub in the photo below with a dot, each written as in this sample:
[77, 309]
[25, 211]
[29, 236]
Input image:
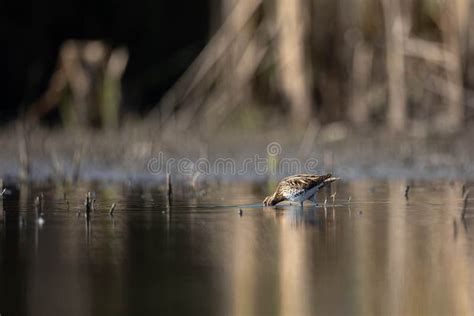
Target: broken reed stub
[112, 209]
[333, 197]
[37, 201]
[169, 185]
[88, 202]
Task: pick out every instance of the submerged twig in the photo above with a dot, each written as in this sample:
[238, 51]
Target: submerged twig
[455, 229]
[465, 198]
[39, 204]
[169, 187]
[112, 209]
[407, 190]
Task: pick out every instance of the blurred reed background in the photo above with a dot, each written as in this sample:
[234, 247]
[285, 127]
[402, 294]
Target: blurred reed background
[400, 64]
[402, 67]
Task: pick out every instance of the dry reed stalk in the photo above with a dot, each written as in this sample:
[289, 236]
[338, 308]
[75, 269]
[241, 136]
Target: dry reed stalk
[76, 164]
[58, 167]
[395, 63]
[23, 152]
[465, 200]
[309, 138]
[361, 74]
[452, 25]
[208, 57]
[293, 63]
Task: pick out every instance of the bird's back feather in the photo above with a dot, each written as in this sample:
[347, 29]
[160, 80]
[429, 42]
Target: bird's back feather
[298, 186]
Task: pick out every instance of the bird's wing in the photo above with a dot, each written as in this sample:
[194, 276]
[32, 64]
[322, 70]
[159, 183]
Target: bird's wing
[303, 182]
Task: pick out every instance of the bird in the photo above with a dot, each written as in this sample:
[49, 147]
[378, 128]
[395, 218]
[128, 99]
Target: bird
[299, 188]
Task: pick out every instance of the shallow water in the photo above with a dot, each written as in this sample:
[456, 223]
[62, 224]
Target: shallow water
[378, 253]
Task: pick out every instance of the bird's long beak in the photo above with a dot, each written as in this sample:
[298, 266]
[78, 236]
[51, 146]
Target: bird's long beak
[266, 200]
[332, 179]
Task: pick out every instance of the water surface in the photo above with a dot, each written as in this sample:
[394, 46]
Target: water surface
[378, 253]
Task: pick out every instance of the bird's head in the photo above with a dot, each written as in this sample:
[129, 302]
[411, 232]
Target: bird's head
[269, 200]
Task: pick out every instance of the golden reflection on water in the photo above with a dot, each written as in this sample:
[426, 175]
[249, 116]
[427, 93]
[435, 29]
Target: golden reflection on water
[404, 259]
[244, 271]
[378, 254]
[293, 263]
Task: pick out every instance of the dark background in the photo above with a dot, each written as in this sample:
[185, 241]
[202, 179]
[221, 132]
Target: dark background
[325, 61]
[162, 37]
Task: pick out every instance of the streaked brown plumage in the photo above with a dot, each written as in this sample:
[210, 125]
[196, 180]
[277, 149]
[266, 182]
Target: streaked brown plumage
[298, 188]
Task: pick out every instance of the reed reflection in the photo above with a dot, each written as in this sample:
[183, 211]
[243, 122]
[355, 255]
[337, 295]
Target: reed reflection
[293, 264]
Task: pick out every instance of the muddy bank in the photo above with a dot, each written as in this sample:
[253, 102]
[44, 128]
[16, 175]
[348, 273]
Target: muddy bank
[143, 152]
